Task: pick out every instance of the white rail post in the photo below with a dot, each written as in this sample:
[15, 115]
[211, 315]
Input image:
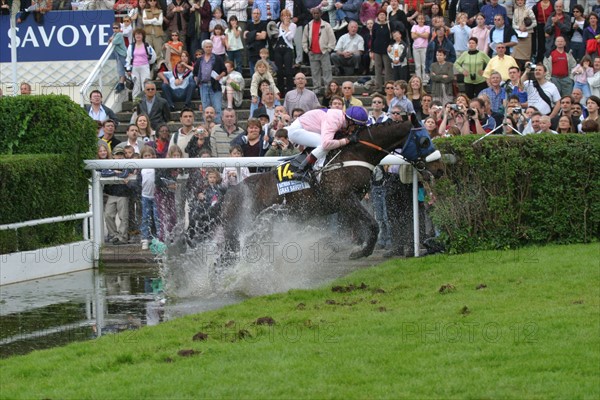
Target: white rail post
[97, 210]
[416, 212]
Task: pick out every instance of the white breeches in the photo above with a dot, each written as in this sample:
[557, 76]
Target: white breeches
[297, 134]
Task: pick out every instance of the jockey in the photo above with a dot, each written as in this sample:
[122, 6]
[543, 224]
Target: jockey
[317, 128]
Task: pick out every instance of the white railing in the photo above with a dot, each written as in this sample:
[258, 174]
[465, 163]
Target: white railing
[98, 75]
[237, 162]
[50, 220]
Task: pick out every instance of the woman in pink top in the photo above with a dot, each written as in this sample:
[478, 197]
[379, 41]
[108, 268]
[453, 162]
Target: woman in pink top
[482, 33]
[139, 57]
[317, 128]
[420, 34]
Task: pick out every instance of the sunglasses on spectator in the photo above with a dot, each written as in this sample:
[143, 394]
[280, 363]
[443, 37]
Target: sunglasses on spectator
[396, 113]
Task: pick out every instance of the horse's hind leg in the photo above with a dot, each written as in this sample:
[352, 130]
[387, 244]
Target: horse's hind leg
[362, 224]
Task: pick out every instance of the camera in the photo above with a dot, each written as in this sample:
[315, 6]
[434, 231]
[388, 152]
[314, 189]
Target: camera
[279, 143]
[531, 65]
[471, 112]
[455, 107]
[517, 110]
[473, 76]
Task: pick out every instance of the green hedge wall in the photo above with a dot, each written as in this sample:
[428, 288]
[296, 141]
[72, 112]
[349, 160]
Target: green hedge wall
[43, 141]
[508, 191]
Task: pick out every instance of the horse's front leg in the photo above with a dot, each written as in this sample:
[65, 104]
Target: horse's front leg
[363, 225]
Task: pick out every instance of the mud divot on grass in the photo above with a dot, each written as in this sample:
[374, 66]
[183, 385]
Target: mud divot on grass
[229, 324]
[243, 334]
[265, 321]
[465, 310]
[200, 336]
[301, 306]
[447, 288]
[187, 352]
[349, 288]
[481, 286]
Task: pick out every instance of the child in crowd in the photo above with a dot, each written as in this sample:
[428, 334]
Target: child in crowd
[217, 20]
[461, 33]
[420, 34]
[582, 72]
[264, 55]
[230, 174]
[173, 49]
[219, 41]
[127, 29]
[118, 40]
[165, 188]
[400, 99]
[261, 73]
[398, 54]
[146, 180]
[235, 45]
[204, 207]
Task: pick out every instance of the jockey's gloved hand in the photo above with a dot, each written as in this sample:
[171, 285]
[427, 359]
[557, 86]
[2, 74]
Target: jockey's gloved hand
[353, 138]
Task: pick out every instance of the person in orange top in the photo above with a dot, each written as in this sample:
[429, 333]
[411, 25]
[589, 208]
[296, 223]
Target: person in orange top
[173, 49]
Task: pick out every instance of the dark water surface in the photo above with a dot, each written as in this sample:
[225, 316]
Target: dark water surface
[84, 305]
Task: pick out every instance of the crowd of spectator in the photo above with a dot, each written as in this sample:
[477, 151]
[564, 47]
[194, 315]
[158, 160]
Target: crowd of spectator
[527, 67]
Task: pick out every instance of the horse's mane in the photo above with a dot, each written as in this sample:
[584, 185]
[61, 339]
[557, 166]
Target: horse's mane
[384, 134]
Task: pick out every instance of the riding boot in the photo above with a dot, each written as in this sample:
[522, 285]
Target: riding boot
[303, 172]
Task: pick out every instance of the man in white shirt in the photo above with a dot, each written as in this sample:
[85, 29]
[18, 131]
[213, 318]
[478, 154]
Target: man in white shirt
[539, 88]
[348, 51]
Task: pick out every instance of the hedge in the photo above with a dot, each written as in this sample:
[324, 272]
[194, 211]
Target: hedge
[43, 141]
[507, 191]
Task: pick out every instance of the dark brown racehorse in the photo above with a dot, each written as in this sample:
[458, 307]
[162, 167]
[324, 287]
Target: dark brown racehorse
[339, 190]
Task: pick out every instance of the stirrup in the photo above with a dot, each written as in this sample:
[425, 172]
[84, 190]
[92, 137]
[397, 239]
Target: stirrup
[303, 176]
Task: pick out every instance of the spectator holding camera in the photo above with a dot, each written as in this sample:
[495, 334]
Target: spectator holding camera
[454, 115]
[515, 111]
[281, 146]
[479, 122]
[541, 93]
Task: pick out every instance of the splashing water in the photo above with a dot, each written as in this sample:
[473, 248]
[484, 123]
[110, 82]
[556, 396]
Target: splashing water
[275, 256]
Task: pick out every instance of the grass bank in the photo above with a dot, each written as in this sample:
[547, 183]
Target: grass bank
[496, 324]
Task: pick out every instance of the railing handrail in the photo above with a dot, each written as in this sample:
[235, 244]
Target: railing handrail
[203, 162]
[43, 221]
[94, 74]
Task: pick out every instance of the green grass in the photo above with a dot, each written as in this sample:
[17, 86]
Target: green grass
[533, 332]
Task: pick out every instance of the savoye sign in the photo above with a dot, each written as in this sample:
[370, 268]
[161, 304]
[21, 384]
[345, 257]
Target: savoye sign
[65, 35]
